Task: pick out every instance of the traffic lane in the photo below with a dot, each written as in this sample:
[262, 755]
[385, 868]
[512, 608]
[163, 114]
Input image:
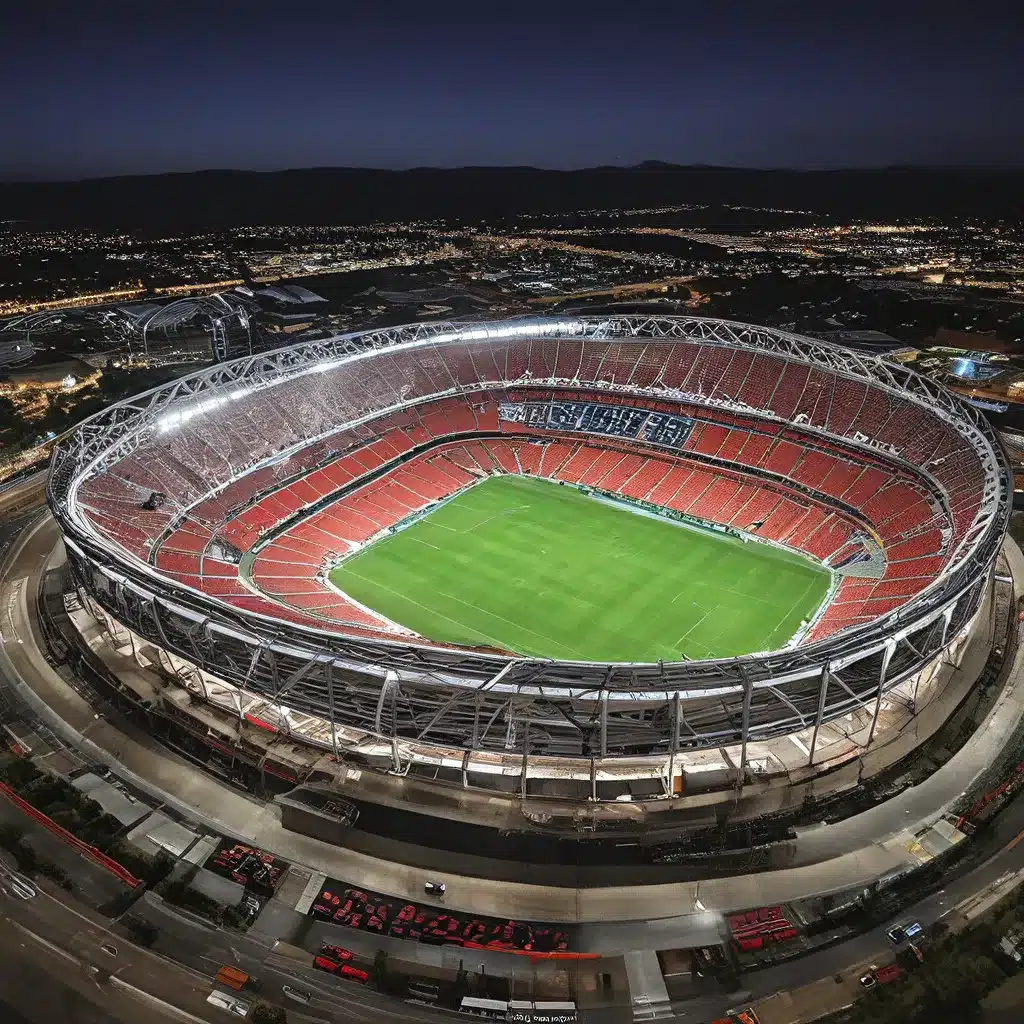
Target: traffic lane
[84, 938]
[347, 999]
[874, 943]
[25, 497]
[39, 987]
[206, 951]
[201, 947]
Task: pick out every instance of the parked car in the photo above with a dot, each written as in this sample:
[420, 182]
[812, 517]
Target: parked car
[435, 888]
[899, 934]
[338, 953]
[888, 973]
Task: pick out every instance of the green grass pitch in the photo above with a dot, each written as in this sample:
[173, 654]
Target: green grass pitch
[549, 572]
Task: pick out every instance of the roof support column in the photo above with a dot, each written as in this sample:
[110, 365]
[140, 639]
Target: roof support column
[604, 723]
[526, 759]
[882, 672]
[673, 743]
[748, 696]
[822, 694]
[329, 676]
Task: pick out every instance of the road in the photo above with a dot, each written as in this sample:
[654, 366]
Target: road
[31, 992]
[64, 941]
[873, 946]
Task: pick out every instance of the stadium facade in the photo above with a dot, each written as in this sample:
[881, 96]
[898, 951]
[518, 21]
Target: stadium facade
[201, 519]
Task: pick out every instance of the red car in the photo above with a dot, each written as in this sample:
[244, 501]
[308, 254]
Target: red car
[336, 953]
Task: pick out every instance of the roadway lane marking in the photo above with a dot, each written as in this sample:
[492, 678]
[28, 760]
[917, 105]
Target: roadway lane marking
[52, 947]
[1014, 841]
[145, 997]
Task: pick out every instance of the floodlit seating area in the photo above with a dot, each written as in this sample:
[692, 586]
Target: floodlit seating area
[775, 448]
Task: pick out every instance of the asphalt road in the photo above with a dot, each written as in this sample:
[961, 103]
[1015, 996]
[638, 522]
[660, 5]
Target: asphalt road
[66, 942]
[38, 986]
[873, 946]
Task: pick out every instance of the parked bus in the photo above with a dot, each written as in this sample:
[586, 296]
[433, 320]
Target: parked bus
[495, 1009]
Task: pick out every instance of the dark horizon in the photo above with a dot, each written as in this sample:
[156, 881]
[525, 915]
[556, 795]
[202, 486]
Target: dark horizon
[122, 90]
[223, 199]
[644, 165]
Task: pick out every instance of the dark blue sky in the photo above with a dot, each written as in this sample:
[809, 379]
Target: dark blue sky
[113, 88]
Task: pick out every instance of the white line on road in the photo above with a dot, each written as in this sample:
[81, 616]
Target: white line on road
[52, 947]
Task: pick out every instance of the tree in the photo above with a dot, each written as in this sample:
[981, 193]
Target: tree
[144, 933]
[268, 1013]
[380, 969]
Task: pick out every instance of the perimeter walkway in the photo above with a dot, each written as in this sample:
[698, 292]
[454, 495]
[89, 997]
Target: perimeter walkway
[856, 851]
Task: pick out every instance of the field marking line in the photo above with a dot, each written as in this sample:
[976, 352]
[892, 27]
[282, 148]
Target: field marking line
[497, 515]
[694, 626]
[465, 625]
[771, 636]
[405, 597]
[730, 590]
[514, 625]
[424, 522]
[425, 543]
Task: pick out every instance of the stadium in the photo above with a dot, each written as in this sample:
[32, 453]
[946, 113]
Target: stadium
[570, 563]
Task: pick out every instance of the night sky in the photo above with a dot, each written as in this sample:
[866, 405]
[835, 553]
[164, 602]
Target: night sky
[105, 88]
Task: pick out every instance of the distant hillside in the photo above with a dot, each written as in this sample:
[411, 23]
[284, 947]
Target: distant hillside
[210, 199]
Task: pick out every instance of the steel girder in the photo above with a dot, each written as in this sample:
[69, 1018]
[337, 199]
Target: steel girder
[590, 719]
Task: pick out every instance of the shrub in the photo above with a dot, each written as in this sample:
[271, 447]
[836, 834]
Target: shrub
[182, 895]
[65, 817]
[46, 790]
[24, 856]
[99, 832]
[138, 863]
[144, 933]
[11, 835]
[55, 873]
[268, 1013]
[160, 868]
[232, 917]
[19, 773]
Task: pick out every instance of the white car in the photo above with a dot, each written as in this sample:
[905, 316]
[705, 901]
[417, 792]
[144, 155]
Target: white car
[239, 1007]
